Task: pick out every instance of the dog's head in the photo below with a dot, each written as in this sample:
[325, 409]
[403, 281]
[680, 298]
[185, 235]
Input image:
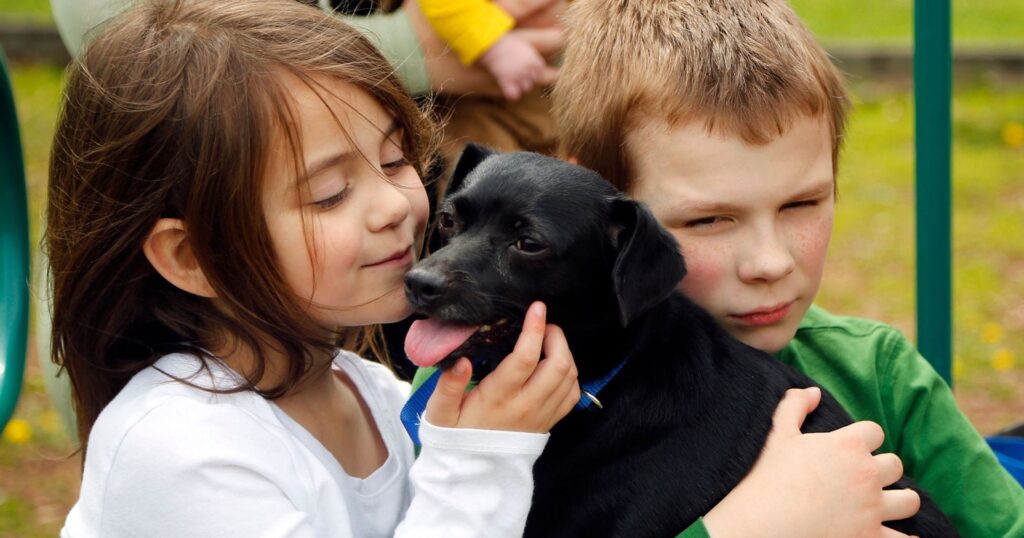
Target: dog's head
[522, 227]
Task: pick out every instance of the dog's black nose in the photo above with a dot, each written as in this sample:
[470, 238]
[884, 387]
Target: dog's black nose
[424, 288]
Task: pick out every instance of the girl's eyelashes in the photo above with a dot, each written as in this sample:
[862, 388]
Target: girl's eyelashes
[395, 165]
[332, 200]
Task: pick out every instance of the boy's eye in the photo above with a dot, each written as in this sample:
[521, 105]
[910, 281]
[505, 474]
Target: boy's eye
[332, 200]
[704, 222]
[801, 203]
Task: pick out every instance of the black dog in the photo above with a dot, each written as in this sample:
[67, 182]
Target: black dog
[687, 407]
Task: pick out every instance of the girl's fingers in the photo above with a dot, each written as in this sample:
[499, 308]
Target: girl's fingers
[890, 468]
[899, 504]
[511, 374]
[555, 399]
[445, 403]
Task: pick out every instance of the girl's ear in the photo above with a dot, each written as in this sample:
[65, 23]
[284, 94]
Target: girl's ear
[169, 252]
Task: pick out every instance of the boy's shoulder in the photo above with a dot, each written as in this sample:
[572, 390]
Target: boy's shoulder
[830, 348]
[819, 320]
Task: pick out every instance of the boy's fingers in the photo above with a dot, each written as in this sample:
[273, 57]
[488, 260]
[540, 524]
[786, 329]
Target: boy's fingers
[513, 372]
[868, 432]
[899, 504]
[793, 409]
[445, 403]
[890, 468]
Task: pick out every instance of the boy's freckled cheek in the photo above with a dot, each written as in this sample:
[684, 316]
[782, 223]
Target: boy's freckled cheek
[705, 269]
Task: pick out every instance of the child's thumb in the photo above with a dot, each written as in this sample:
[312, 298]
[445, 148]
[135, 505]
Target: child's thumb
[445, 403]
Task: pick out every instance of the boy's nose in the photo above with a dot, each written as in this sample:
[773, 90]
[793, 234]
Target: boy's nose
[768, 260]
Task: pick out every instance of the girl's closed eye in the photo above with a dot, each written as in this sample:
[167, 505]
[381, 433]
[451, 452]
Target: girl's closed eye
[394, 166]
[332, 200]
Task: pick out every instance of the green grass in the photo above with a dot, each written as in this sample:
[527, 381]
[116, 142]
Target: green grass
[974, 21]
[26, 10]
[891, 21]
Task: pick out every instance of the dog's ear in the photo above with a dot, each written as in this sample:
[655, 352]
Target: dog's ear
[471, 156]
[648, 266]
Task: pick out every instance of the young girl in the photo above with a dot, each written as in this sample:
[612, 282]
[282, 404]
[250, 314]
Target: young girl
[234, 188]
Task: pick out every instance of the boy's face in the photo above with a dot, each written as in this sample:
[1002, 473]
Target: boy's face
[753, 221]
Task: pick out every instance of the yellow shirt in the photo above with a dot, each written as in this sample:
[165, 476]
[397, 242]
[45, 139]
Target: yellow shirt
[470, 27]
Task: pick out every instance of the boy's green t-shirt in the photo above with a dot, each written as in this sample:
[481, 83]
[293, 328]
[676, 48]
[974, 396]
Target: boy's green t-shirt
[877, 375]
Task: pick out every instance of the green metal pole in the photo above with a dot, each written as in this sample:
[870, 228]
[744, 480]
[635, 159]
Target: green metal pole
[14, 271]
[933, 60]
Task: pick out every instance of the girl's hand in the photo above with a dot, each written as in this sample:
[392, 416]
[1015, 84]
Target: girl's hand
[524, 393]
[817, 484]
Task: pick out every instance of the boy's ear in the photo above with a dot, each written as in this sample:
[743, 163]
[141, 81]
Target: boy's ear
[471, 156]
[169, 252]
[648, 266]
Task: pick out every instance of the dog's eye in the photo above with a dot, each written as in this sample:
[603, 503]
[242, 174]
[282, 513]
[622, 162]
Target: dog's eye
[446, 221]
[529, 245]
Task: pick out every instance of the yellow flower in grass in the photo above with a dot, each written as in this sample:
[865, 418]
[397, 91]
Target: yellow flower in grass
[991, 333]
[1003, 359]
[1013, 134]
[17, 432]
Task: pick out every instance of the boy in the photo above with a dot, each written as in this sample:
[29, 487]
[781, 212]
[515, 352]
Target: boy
[726, 118]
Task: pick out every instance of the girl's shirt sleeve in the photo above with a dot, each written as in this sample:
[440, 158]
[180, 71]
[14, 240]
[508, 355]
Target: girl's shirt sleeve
[940, 448]
[469, 483]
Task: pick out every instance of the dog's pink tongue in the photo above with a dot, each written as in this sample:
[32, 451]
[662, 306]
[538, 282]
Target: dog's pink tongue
[428, 341]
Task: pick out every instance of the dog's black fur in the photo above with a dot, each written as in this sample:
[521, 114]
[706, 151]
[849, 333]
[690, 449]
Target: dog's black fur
[686, 417]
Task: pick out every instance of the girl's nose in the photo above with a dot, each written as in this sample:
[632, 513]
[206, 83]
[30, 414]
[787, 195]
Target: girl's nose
[391, 206]
[768, 259]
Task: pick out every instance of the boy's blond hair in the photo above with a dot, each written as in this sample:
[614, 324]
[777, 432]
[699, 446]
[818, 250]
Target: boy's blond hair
[743, 67]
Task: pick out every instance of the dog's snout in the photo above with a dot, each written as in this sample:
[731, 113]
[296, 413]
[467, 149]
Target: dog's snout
[424, 288]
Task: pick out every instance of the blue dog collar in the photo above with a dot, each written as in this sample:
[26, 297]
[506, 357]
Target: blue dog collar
[412, 411]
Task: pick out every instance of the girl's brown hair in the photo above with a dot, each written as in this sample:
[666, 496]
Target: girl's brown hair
[169, 113]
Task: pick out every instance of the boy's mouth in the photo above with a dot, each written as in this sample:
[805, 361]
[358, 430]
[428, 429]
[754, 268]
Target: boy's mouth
[431, 341]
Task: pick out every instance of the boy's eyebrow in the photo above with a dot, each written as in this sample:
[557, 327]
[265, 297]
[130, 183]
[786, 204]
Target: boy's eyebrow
[819, 188]
[334, 159]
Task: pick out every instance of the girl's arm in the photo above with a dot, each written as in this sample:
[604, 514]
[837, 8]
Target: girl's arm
[474, 476]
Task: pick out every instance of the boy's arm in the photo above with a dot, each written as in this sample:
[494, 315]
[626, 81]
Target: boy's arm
[470, 27]
[942, 451]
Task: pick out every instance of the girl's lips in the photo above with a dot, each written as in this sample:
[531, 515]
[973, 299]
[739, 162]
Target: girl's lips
[400, 259]
[764, 317]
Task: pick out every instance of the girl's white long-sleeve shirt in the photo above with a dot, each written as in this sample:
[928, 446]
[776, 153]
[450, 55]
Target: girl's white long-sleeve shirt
[169, 459]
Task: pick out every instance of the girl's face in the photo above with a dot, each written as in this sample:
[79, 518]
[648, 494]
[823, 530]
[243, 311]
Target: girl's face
[753, 221]
[346, 233]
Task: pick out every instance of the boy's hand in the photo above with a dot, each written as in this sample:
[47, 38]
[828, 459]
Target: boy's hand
[524, 393]
[517, 66]
[818, 484]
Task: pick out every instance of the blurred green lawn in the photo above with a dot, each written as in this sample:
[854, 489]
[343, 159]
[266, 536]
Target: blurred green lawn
[871, 263]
